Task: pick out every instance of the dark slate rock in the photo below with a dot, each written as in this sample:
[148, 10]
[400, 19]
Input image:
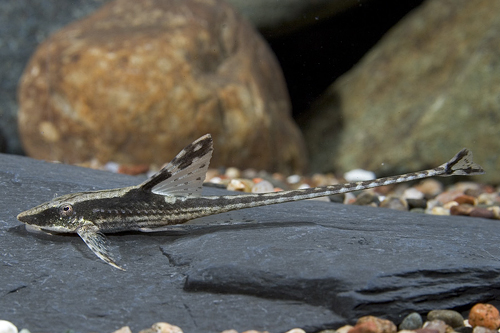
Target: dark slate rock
[309, 264]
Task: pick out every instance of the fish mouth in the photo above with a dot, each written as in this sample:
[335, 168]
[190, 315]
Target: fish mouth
[34, 229]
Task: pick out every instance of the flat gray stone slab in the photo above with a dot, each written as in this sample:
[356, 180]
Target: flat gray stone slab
[308, 264]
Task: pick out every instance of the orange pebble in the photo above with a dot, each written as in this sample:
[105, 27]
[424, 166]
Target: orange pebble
[134, 169]
[465, 199]
[383, 325]
[257, 180]
[485, 315]
[366, 327]
[461, 210]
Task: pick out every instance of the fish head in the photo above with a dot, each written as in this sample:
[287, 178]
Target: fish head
[57, 215]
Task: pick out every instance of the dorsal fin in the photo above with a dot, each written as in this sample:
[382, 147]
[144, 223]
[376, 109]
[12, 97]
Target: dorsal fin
[185, 174]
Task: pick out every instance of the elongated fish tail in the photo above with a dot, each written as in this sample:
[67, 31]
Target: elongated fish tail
[462, 165]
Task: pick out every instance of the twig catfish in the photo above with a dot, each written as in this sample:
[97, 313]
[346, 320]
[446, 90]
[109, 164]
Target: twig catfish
[173, 196]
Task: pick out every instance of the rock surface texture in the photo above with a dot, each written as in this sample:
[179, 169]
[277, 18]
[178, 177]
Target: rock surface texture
[136, 81]
[429, 88]
[307, 264]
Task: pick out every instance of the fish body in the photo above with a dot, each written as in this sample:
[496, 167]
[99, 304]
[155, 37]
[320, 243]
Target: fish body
[173, 196]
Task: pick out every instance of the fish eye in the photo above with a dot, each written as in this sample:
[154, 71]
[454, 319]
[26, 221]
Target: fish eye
[66, 210]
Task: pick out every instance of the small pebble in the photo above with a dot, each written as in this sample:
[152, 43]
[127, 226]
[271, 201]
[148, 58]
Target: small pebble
[464, 329]
[488, 199]
[211, 173]
[433, 203]
[319, 179]
[439, 211]
[461, 210]
[467, 186]
[383, 325]
[365, 198]
[436, 324]
[232, 173]
[450, 204]
[296, 330]
[349, 198]
[366, 327]
[430, 188]
[241, 185]
[416, 203]
[230, 331]
[254, 331]
[426, 330]
[481, 329]
[413, 193]
[473, 192]
[396, 203]
[112, 166]
[450, 317]
[293, 179]
[496, 211]
[465, 199]
[162, 328]
[249, 173]
[344, 329]
[357, 175]
[216, 180]
[263, 187]
[485, 315]
[412, 321]
[133, 170]
[7, 327]
[448, 196]
[482, 212]
[124, 329]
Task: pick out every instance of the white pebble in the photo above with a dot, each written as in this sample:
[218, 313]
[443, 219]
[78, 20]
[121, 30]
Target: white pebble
[440, 211]
[412, 193]
[233, 172]
[296, 330]
[166, 328]
[7, 327]
[236, 185]
[359, 175]
[450, 204]
[293, 179]
[263, 186]
[216, 180]
[112, 166]
[304, 186]
[431, 204]
[124, 329]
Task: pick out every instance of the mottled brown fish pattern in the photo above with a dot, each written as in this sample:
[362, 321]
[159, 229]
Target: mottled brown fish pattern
[173, 196]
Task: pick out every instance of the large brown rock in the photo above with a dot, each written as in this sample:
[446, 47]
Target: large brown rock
[138, 80]
[429, 88]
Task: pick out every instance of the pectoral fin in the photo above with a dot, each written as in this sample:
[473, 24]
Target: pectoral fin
[97, 242]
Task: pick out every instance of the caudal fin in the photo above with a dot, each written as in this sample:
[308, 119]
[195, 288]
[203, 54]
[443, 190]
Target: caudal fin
[462, 164]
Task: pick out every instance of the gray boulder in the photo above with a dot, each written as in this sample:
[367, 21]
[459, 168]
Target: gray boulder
[308, 264]
[426, 90]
